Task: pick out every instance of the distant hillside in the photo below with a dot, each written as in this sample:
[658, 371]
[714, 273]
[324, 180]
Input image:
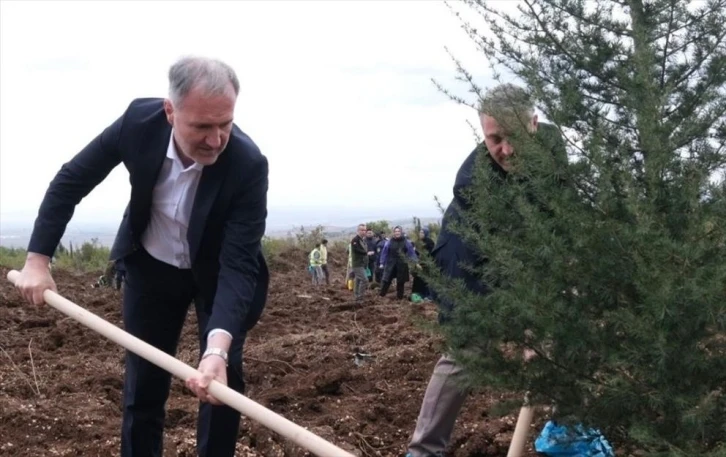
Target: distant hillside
[77, 234]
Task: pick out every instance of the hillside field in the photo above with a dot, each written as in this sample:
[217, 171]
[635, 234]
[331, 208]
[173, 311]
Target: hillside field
[61, 383]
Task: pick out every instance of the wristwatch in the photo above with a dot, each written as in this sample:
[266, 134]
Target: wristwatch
[217, 351]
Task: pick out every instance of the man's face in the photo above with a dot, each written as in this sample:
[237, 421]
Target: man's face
[422, 234]
[202, 124]
[369, 234]
[496, 138]
[362, 231]
[397, 233]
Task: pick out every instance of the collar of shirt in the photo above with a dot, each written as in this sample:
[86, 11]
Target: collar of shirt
[173, 154]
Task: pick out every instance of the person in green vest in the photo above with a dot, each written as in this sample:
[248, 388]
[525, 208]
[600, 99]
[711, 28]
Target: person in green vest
[316, 265]
[324, 260]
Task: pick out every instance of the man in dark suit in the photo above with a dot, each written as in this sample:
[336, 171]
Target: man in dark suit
[192, 231]
[502, 106]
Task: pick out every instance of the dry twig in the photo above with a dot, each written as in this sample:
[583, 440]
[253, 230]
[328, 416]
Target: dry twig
[32, 365]
[375, 450]
[20, 372]
[267, 362]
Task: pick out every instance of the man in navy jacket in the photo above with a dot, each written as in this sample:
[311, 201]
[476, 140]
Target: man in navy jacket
[444, 398]
[192, 231]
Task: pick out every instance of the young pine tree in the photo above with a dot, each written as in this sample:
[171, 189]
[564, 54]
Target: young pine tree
[612, 268]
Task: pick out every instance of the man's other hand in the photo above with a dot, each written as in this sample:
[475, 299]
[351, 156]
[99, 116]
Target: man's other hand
[35, 279]
[210, 368]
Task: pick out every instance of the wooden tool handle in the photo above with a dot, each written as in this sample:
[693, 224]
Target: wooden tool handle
[253, 410]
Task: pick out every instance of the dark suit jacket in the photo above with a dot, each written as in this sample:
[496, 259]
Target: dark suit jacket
[227, 221]
[451, 251]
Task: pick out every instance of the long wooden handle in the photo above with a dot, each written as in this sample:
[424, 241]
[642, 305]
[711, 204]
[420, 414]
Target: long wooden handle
[255, 411]
[516, 447]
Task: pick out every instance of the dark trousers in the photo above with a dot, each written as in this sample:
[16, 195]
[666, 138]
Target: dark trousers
[156, 299]
[419, 286]
[400, 288]
[378, 274]
[400, 273]
[326, 273]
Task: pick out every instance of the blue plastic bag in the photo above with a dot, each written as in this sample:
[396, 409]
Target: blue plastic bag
[559, 441]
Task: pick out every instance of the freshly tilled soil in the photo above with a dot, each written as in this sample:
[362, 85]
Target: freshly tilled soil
[61, 383]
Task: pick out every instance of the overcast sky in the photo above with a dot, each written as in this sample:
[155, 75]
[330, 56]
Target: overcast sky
[336, 94]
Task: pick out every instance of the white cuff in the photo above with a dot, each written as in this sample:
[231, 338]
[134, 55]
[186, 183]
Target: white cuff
[219, 330]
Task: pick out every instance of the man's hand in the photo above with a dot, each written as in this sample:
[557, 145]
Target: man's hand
[371, 253]
[211, 367]
[35, 278]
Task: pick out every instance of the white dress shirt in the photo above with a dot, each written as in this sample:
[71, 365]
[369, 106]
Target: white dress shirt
[165, 238]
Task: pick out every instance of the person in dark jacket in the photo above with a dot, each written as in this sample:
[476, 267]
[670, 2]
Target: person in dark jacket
[394, 264]
[371, 242]
[419, 285]
[191, 233]
[443, 398]
[359, 260]
[382, 238]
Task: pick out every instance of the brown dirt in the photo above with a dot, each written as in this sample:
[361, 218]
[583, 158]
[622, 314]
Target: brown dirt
[61, 383]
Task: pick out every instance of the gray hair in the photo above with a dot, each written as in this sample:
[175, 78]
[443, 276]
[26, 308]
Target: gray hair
[507, 99]
[189, 72]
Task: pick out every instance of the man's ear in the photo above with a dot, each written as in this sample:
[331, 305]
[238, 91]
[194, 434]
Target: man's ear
[169, 110]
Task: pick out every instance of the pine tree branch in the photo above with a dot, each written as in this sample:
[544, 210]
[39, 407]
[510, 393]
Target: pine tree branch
[565, 369]
[694, 20]
[687, 135]
[560, 47]
[488, 47]
[484, 10]
[464, 76]
[620, 31]
[694, 67]
[664, 64]
[590, 198]
[683, 47]
[475, 132]
[593, 112]
[721, 147]
[481, 42]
